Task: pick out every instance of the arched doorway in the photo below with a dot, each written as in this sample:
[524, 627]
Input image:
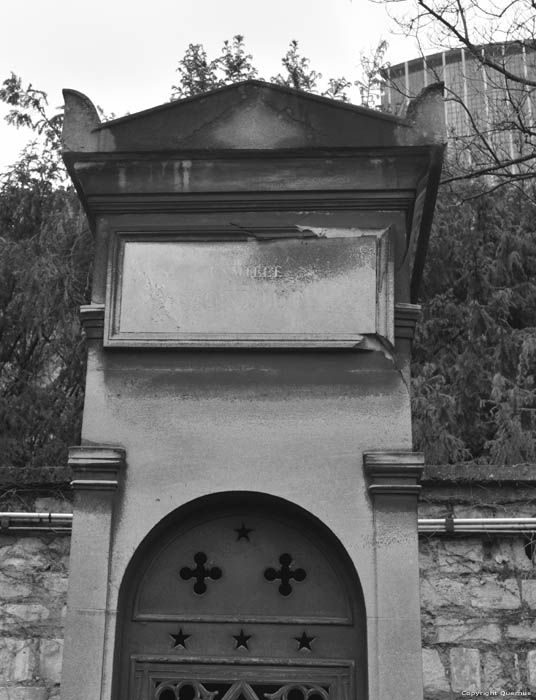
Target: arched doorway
[240, 597]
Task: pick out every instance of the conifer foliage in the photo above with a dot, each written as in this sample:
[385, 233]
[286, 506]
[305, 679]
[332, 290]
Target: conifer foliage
[474, 356]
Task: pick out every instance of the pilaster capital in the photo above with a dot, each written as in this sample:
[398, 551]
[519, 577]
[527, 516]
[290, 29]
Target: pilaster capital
[394, 473]
[92, 320]
[406, 317]
[96, 467]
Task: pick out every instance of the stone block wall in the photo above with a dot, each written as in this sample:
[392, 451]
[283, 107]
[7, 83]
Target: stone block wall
[478, 593]
[33, 585]
[478, 616]
[34, 568]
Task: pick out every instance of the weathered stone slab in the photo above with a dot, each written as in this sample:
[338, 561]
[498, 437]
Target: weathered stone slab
[50, 659]
[434, 675]
[453, 630]
[531, 668]
[23, 692]
[10, 588]
[17, 658]
[524, 630]
[528, 592]
[278, 287]
[25, 613]
[465, 669]
[451, 556]
[494, 676]
[486, 593]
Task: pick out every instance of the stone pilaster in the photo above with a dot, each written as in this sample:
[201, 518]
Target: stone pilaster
[393, 487]
[96, 472]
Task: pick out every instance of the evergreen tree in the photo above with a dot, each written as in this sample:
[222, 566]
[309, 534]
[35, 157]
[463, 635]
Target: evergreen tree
[474, 360]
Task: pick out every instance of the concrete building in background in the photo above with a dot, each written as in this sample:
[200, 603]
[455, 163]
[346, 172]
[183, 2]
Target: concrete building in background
[479, 101]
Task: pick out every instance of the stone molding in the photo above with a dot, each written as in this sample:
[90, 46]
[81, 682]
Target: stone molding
[92, 320]
[96, 468]
[394, 473]
[406, 318]
[470, 473]
[162, 203]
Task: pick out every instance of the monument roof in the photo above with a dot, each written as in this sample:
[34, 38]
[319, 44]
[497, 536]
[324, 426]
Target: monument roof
[251, 115]
[255, 146]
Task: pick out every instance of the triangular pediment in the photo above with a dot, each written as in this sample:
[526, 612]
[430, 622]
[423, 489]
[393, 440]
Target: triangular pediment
[251, 115]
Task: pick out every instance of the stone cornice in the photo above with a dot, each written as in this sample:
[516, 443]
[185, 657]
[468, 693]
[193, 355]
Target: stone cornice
[487, 474]
[161, 203]
[393, 473]
[96, 467]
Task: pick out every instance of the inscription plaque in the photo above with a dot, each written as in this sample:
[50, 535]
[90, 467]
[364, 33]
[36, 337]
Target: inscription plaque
[321, 289]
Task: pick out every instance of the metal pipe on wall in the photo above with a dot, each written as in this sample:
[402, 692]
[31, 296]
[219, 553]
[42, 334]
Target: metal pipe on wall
[57, 522]
[62, 522]
[466, 526]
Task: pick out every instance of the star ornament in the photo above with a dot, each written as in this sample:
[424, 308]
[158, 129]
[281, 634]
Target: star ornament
[179, 639]
[241, 640]
[243, 532]
[304, 642]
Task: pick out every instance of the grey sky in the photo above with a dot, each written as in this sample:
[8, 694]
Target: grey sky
[123, 55]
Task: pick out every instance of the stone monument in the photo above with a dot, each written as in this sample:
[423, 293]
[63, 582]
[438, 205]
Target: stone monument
[245, 489]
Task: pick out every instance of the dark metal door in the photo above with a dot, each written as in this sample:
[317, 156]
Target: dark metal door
[244, 602]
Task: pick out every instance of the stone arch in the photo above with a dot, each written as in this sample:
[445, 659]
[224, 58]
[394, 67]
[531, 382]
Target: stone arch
[240, 595]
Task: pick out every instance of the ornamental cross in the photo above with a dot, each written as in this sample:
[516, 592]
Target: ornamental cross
[285, 574]
[200, 573]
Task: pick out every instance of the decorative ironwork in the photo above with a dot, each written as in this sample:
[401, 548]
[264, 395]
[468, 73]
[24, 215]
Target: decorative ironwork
[243, 532]
[180, 639]
[239, 690]
[241, 640]
[304, 642]
[184, 690]
[294, 691]
[200, 573]
[285, 574]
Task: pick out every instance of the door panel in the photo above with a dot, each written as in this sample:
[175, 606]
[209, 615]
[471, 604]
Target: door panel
[241, 601]
[218, 681]
[230, 568]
